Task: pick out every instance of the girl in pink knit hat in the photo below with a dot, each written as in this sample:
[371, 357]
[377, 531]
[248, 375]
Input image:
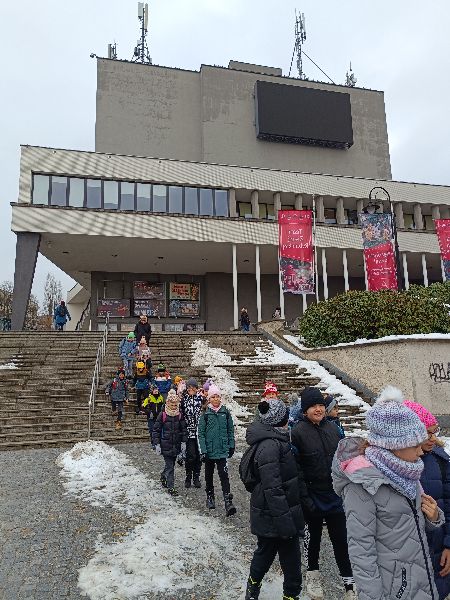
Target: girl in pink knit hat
[435, 480]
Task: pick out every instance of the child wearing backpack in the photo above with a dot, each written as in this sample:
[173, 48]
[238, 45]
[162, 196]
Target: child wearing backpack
[117, 391]
[152, 406]
[141, 382]
[163, 380]
[169, 438]
[216, 441]
[127, 350]
[332, 413]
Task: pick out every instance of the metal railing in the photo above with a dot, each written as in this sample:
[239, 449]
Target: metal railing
[96, 375]
[84, 314]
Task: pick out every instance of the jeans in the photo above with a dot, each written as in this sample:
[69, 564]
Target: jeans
[245, 327]
[290, 561]
[119, 407]
[128, 366]
[222, 469]
[169, 471]
[193, 462]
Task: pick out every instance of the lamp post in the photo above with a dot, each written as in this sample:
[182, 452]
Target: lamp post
[374, 204]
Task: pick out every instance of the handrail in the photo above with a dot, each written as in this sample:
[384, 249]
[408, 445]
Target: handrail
[82, 318]
[96, 375]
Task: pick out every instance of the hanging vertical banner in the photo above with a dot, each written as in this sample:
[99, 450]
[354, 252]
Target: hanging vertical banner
[443, 233]
[296, 257]
[379, 253]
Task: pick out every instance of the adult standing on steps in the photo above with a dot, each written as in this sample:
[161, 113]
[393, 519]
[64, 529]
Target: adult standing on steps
[143, 329]
[60, 316]
[245, 320]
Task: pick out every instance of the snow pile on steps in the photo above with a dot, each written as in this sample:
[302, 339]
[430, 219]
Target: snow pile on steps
[190, 551]
[8, 366]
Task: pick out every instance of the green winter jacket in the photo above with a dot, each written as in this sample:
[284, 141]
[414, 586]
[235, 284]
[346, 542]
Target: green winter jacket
[216, 433]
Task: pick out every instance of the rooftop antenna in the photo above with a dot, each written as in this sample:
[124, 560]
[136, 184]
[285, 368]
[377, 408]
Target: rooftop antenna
[300, 38]
[141, 53]
[350, 79]
[112, 51]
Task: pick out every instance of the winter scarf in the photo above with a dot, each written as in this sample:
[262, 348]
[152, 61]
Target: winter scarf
[215, 408]
[404, 476]
[172, 412]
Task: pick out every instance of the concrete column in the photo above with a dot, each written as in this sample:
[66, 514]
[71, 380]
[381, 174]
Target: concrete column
[399, 218]
[324, 274]
[359, 207]
[345, 264]
[258, 284]
[405, 271]
[280, 284]
[27, 248]
[298, 202]
[435, 213]
[255, 204]
[340, 212]
[320, 211]
[443, 271]
[418, 216]
[304, 303]
[276, 204]
[366, 281]
[424, 270]
[232, 202]
[235, 290]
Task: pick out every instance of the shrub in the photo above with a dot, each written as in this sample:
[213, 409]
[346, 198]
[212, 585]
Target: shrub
[370, 315]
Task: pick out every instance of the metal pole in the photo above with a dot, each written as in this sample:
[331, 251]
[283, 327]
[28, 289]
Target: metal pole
[315, 248]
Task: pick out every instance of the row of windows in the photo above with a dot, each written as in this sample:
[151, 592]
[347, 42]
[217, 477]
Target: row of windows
[126, 195]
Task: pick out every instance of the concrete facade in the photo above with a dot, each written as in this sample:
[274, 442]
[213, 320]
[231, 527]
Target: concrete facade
[209, 116]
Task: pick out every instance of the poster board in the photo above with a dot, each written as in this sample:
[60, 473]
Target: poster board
[147, 290]
[184, 300]
[152, 308]
[115, 308]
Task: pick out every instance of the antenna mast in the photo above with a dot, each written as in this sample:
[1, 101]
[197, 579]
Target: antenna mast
[141, 53]
[300, 38]
[350, 79]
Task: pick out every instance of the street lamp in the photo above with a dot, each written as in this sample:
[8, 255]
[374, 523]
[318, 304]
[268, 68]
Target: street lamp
[375, 203]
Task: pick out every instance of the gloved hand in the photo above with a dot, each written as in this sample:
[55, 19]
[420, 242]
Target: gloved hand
[158, 449]
[203, 458]
[230, 452]
[180, 459]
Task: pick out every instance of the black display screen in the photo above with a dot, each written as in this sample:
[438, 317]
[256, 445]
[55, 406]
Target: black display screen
[301, 115]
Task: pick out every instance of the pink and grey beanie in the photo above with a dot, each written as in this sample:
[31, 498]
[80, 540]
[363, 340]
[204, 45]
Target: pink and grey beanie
[423, 413]
[391, 424]
[273, 412]
[213, 390]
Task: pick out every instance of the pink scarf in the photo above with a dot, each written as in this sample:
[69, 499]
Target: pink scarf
[214, 408]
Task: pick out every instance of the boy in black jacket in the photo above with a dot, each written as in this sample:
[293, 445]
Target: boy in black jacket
[191, 408]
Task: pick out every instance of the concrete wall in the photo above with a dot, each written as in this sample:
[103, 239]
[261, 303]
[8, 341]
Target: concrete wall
[210, 116]
[418, 367]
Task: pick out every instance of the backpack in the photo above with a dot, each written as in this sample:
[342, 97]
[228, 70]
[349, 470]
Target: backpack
[141, 369]
[247, 471]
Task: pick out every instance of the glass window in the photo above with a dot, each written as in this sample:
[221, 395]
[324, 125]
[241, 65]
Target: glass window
[175, 199]
[58, 191]
[244, 210]
[159, 198]
[428, 222]
[94, 193]
[330, 215]
[262, 211]
[126, 195]
[76, 192]
[206, 202]
[111, 195]
[221, 203]
[351, 217]
[271, 212]
[143, 191]
[191, 201]
[40, 189]
[409, 222]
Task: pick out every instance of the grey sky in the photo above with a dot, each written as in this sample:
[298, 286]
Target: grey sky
[49, 81]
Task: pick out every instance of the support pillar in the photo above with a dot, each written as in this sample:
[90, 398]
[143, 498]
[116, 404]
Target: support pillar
[405, 271]
[435, 214]
[324, 274]
[276, 204]
[258, 284]
[399, 217]
[424, 270]
[340, 212]
[27, 248]
[298, 202]
[320, 210]
[255, 204]
[418, 220]
[359, 207]
[366, 281]
[235, 290]
[280, 283]
[345, 264]
[443, 271]
[305, 303]
[232, 202]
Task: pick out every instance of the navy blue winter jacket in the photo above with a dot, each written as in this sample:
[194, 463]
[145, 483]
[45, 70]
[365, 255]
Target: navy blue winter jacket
[436, 463]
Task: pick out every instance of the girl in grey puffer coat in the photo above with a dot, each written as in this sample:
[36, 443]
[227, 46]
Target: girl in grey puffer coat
[387, 512]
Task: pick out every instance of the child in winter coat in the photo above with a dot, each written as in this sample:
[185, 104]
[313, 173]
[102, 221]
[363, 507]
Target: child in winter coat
[332, 412]
[216, 441]
[141, 382]
[127, 349]
[152, 406]
[386, 508]
[163, 380]
[117, 390]
[191, 408]
[169, 438]
[435, 480]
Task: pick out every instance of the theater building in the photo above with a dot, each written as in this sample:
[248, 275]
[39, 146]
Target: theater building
[174, 213]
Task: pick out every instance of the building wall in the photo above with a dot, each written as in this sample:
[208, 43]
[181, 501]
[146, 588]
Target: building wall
[210, 116]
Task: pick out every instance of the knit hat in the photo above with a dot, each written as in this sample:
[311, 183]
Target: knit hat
[172, 397]
[119, 371]
[161, 368]
[213, 390]
[310, 397]
[131, 335]
[330, 403]
[423, 413]
[207, 383]
[270, 388]
[391, 424]
[177, 379]
[192, 382]
[273, 412]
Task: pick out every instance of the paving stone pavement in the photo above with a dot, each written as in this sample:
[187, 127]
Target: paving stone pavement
[46, 536]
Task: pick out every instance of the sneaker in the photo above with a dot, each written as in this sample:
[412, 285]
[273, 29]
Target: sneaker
[314, 585]
[163, 480]
[350, 595]
[172, 492]
[230, 509]
[118, 424]
[253, 589]
[196, 482]
[210, 500]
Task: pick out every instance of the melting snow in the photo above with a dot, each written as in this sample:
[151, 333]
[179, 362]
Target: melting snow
[388, 338]
[8, 366]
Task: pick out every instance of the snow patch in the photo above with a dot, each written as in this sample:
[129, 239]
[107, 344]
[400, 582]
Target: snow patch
[8, 366]
[388, 338]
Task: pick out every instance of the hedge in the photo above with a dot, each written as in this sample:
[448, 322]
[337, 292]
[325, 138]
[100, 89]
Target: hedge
[361, 314]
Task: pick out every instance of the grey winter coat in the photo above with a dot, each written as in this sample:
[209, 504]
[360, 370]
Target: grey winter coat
[385, 530]
[117, 389]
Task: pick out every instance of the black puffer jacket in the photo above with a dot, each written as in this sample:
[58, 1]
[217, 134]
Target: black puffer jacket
[169, 432]
[275, 509]
[142, 330]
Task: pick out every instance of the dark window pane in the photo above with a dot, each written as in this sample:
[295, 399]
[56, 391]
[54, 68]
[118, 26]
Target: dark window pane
[76, 192]
[58, 191]
[262, 211]
[111, 195]
[330, 215]
[159, 198]
[271, 212]
[175, 199]
[143, 197]
[126, 195]
[351, 217]
[206, 202]
[245, 210]
[40, 189]
[221, 203]
[191, 201]
[94, 196]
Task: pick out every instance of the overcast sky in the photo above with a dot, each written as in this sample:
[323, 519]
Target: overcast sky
[48, 81]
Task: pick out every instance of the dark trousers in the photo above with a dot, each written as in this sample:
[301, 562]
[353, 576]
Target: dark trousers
[169, 470]
[337, 530]
[289, 555]
[119, 407]
[193, 462]
[150, 425]
[140, 396]
[222, 470]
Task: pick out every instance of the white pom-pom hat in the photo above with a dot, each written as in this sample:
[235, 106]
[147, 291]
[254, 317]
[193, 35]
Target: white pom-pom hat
[391, 424]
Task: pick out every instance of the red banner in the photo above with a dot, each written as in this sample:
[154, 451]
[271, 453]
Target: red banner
[381, 267]
[296, 254]
[443, 233]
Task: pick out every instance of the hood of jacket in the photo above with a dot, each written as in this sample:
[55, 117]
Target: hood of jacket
[350, 466]
[258, 431]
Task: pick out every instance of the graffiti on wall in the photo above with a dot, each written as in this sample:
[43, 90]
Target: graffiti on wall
[440, 372]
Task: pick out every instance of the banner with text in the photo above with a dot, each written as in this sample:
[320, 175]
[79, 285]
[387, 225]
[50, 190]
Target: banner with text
[443, 233]
[296, 252]
[379, 256]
